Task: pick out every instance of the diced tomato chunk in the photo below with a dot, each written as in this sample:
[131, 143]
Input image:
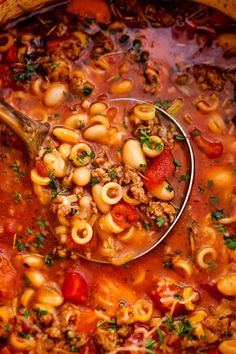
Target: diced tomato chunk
[8, 274]
[160, 167]
[75, 288]
[163, 297]
[12, 54]
[41, 168]
[6, 78]
[124, 214]
[92, 9]
[212, 149]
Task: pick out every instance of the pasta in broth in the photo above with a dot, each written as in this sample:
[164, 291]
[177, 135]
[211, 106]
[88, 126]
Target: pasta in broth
[112, 176]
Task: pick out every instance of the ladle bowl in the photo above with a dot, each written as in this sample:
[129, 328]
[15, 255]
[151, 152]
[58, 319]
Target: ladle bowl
[33, 133]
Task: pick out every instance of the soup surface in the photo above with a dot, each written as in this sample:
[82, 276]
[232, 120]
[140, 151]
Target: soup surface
[111, 176]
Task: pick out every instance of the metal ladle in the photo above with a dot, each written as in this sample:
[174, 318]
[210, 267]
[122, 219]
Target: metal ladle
[33, 133]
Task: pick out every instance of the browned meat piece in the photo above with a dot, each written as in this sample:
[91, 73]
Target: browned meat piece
[208, 77]
[102, 45]
[159, 209]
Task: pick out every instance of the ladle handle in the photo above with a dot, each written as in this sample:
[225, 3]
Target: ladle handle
[32, 132]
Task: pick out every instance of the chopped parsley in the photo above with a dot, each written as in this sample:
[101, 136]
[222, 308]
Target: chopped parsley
[214, 200]
[159, 221]
[222, 229]
[41, 223]
[74, 348]
[18, 197]
[183, 178]
[185, 328]
[234, 171]
[54, 65]
[176, 163]
[20, 245]
[210, 183]
[169, 324]
[40, 312]
[164, 104]
[87, 90]
[196, 133]
[217, 214]
[230, 242]
[28, 231]
[178, 297]
[150, 343]
[24, 335]
[84, 154]
[112, 174]
[143, 166]
[146, 139]
[7, 327]
[94, 180]
[212, 264]
[200, 189]
[26, 74]
[160, 335]
[53, 182]
[26, 313]
[137, 44]
[56, 115]
[179, 137]
[146, 225]
[169, 188]
[48, 261]
[39, 240]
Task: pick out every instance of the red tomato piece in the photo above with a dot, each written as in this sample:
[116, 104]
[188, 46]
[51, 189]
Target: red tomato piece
[167, 291]
[8, 275]
[75, 288]
[124, 214]
[6, 78]
[212, 149]
[41, 168]
[12, 54]
[212, 351]
[160, 167]
[89, 8]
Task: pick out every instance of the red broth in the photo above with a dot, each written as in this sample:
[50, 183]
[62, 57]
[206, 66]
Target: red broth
[181, 296]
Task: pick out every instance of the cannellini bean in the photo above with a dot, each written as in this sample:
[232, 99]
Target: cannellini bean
[132, 154]
[227, 285]
[96, 133]
[66, 135]
[54, 95]
[20, 343]
[216, 124]
[97, 108]
[35, 277]
[49, 297]
[221, 176]
[33, 260]
[228, 346]
[36, 178]
[96, 193]
[27, 296]
[163, 191]
[76, 121]
[99, 119]
[55, 163]
[6, 314]
[81, 176]
[122, 87]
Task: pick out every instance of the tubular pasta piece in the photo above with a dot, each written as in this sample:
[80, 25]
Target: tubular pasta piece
[185, 266]
[111, 193]
[81, 232]
[208, 251]
[36, 178]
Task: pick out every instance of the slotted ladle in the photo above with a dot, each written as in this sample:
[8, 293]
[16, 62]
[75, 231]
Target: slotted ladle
[34, 133]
